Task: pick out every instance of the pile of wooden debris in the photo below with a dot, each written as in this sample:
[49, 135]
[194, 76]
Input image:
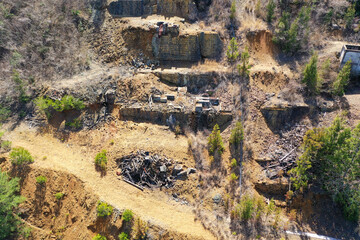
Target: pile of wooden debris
[141, 170]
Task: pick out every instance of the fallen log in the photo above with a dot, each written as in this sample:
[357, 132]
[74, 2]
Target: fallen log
[133, 184]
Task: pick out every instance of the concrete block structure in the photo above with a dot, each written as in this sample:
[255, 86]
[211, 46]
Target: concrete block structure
[351, 52]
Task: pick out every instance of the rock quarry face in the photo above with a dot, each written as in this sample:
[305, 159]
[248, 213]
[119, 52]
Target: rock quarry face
[278, 112]
[175, 45]
[136, 8]
[188, 47]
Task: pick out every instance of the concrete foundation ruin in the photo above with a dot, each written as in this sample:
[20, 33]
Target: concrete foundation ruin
[351, 52]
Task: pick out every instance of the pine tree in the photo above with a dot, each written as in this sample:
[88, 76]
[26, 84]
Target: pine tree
[232, 11]
[349, 16]
[9, 200]
[244, 66]
[237, 134]
[233, 50]
[215, 143]
[311, 75]
[270, 10]
[342, 79]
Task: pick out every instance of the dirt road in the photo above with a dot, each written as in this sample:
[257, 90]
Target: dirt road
[154, 207]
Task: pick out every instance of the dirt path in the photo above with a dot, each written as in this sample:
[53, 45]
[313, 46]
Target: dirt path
[155, 207]
[353, 99]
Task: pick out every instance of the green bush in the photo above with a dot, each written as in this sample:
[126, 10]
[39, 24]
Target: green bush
[232, 52]
[104, 209]
[123, 236]
[101, 159]
[76, 123]
[237, 134]
[67, 102]
[20, 86]
[6, 145]
[246, 208]
[233, 163]
[311, 76]
[41, 180]
[10, 223]
[20, 156]
[59, 195]
[270, 10]
[331, 158]
[99, 237]
[233, 177]
[4, 113]
[215, 143]
[127, 215]
[342, 79]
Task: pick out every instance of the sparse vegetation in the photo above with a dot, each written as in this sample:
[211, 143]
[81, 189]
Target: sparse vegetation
[101, 160]
[127, 215]
[4, 145]
[139, 229]
[41, 180]
[99, 237]
[233, 163]
[59, 195]
[75, 124]
[233, 177]
[20, 156]
[215, 143]
[177, 130]
[4, 113]
[123, 236]
[342, 79]
[104, 209]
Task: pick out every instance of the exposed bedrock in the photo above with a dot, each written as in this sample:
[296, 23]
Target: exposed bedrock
[278, 112]
[193, 80]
